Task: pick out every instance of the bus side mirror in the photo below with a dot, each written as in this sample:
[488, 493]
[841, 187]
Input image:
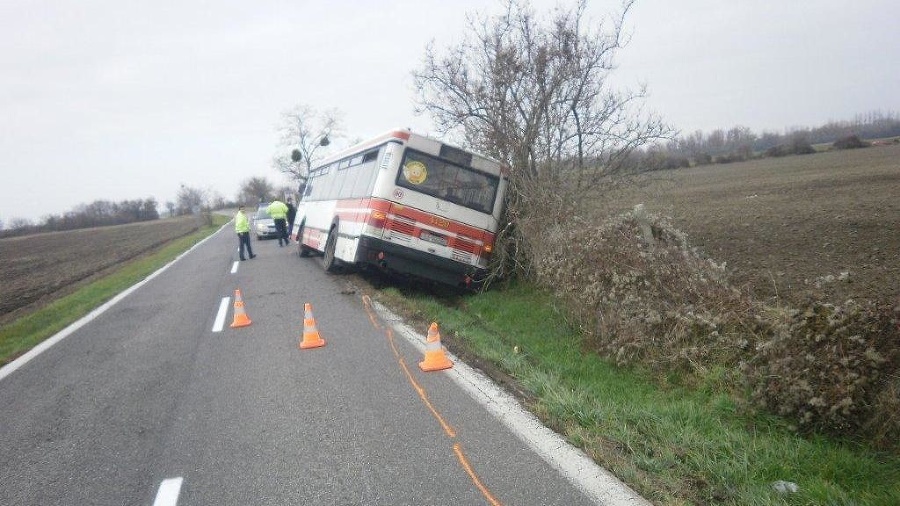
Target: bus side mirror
[296, 155]
[301, 189]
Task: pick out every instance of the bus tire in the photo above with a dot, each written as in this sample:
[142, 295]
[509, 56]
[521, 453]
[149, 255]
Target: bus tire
[328, 260]
[302, 249]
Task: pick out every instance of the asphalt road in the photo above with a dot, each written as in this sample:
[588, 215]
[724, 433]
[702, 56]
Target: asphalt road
[147, 404]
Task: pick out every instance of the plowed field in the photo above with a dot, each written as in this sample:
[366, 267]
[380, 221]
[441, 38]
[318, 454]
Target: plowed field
[38, 268]
[827, 223]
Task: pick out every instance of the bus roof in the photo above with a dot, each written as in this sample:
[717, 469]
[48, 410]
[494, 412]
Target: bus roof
[399, 134]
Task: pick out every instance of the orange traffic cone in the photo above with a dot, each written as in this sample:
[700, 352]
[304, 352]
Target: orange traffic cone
[240, 316]
[435, 358]
[311, 338]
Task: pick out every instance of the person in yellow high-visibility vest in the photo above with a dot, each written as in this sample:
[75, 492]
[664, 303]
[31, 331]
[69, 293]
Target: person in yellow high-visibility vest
[242, 228]
[278, 211]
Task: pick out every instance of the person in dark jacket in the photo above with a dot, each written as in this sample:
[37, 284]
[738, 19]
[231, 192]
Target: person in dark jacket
[291, 214]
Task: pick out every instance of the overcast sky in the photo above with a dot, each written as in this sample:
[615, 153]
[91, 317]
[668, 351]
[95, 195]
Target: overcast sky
[105, 99]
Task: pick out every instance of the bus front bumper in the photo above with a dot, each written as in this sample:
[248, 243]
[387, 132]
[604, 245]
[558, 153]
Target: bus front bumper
[397, 259]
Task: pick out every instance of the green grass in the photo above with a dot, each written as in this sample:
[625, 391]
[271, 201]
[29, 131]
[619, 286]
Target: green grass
[674, 446]
[27, 332]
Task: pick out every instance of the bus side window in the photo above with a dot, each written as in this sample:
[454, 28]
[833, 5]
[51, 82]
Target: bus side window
[338, 188]
[317, 185]
[364, 176]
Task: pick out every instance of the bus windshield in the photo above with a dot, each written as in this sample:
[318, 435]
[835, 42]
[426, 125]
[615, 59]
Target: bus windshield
[447, 181]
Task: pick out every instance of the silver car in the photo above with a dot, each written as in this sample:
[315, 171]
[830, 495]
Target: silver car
[263, 224]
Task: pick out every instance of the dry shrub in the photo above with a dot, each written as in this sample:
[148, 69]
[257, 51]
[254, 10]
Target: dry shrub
[834, 369]
[850, 142]
[644, 297]
[883, 427]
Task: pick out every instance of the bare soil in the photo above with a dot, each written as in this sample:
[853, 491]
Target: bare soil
[825, 224]
[39, 268]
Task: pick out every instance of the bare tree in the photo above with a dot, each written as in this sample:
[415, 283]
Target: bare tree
[214, 199]
[256, 189]
[190, 200]
[535, 95]
[304, 132]
[20, 223]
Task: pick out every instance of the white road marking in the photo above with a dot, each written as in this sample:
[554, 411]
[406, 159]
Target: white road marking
[234, 267]
[220, 317]
[167, 495]
[597, 483]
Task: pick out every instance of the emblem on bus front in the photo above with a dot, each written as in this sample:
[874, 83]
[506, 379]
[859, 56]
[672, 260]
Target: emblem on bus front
[415, 172]
[398, 194]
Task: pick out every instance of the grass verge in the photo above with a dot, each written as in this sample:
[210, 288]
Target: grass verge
[673, 445]
[19, 336]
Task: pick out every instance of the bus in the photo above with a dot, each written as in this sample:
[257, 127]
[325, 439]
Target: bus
[406, 204]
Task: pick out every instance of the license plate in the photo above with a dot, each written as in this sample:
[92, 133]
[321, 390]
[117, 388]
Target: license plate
[433, 238]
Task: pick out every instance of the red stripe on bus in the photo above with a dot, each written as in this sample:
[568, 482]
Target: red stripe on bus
[441, 223]
[352, 209]
[412, 222]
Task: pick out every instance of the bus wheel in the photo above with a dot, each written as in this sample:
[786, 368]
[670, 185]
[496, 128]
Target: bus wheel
[328, 260]
[302, 249]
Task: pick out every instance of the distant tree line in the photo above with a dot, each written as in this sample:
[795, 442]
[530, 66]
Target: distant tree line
[740, 143]
[189, 200]
[96, 214]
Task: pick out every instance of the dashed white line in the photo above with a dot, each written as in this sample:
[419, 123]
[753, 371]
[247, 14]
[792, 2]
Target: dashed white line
[220, 317]
[167, 495]
[234, 267]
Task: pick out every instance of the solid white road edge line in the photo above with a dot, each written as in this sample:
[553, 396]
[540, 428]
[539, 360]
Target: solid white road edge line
[220, 317]
[234, 267]
[168, 492]
[594, 481]
[62, 334]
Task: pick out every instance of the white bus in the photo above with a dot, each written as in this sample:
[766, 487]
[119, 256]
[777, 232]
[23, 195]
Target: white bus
[405, 204]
